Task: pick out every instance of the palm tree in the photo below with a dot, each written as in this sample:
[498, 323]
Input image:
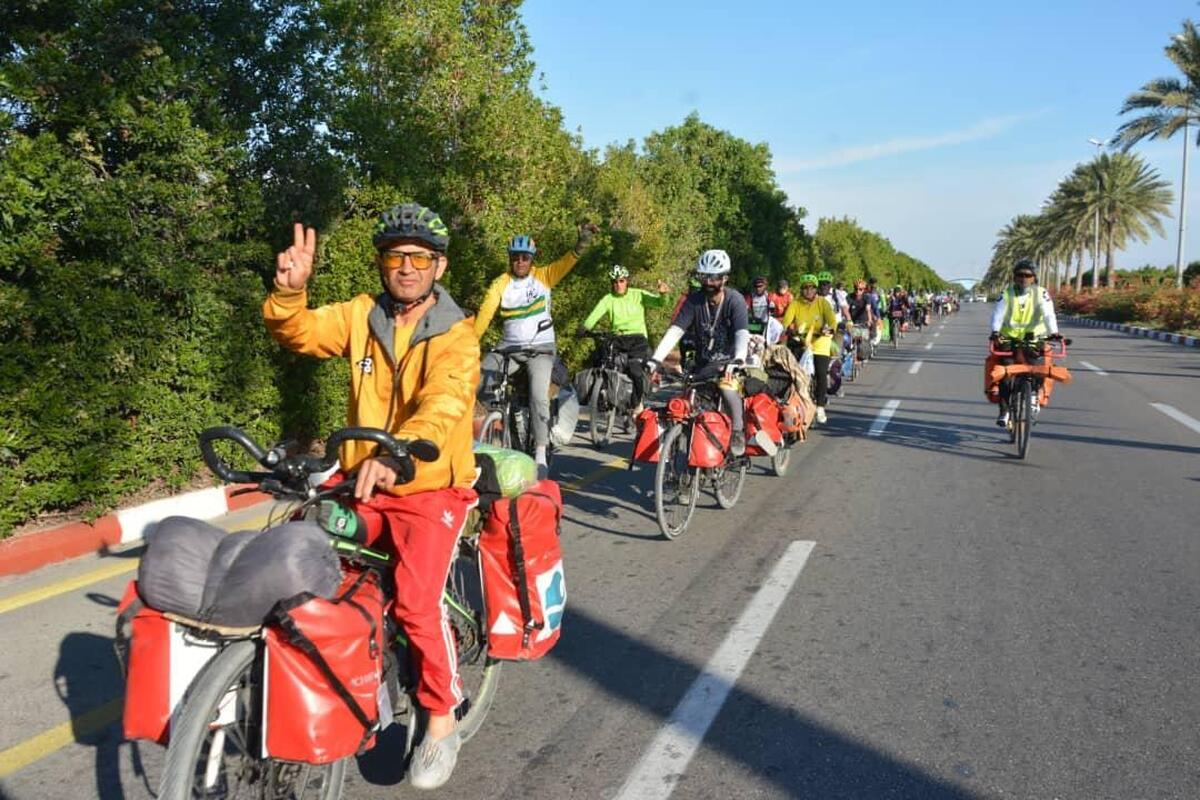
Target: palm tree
[1170, 106]
[1072, 210]
[1132, 199]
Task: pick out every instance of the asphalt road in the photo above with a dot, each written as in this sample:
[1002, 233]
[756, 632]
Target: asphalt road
[965, 625]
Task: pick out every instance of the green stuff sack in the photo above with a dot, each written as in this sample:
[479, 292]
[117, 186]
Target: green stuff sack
[502, 473]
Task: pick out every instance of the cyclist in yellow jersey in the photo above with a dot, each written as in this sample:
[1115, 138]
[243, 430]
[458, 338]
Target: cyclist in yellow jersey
[810, 316]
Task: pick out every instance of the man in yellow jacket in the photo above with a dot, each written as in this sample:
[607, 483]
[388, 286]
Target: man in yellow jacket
[810, 316]
[414, 365]
[522, 296]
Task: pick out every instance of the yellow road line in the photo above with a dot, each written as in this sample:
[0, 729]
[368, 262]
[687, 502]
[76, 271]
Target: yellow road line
[68, 585]
[22, 755]
[38, 747]
[596, 474]
[57, 588]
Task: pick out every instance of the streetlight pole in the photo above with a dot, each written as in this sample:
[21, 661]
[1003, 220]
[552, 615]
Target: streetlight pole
[1096, 221]
[1183, 197]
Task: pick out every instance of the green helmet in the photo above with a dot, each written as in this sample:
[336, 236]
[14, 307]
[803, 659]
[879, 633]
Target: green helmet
[411, 221]
[808, 278]
[824, 277]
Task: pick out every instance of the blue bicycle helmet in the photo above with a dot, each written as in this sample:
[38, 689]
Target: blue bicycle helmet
[522, 244]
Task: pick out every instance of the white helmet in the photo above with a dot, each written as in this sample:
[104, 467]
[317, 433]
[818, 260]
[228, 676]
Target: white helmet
[713, 262]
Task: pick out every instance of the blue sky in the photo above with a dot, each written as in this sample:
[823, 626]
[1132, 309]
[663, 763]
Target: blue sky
[933, 123]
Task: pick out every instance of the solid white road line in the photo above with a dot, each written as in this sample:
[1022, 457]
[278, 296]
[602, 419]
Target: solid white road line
[929, 346]
[937, 334]
[666, 759]
[884, 417]
[916, 366]
[1093, 368]
[1177, 415]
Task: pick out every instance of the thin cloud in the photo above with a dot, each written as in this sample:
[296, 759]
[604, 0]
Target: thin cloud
[984, 129]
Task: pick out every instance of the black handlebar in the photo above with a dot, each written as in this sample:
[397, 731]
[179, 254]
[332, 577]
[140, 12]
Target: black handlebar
[218, 465]
[284, 469]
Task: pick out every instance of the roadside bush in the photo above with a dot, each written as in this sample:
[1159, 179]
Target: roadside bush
[1119, 305]
[1172, 309]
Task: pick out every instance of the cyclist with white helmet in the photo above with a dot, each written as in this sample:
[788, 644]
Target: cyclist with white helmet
[718, 321]
[625, 308]
[522, 296]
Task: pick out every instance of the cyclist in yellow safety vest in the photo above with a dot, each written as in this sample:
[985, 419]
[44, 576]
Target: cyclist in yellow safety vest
[1025, 308]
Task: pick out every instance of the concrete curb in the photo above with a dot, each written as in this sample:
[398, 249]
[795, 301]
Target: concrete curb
[125, 526]
[1133, 330]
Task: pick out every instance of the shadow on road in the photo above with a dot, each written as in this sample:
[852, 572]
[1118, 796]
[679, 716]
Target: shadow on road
[87, 677]
[798, 756]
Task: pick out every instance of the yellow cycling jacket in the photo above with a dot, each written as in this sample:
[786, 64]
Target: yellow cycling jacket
[425, 392]
[808, 317]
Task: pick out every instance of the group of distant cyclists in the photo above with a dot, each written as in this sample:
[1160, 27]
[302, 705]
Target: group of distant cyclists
[417, 370]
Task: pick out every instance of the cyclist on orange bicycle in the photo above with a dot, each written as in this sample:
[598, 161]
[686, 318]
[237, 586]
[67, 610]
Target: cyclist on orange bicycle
[414, 364]
[1024, 308]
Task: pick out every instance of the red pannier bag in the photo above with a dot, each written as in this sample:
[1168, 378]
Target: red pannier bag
[322, 672]
[524, 588]
[710, 439]
[161, 658]
[762, 414]
[649, 432]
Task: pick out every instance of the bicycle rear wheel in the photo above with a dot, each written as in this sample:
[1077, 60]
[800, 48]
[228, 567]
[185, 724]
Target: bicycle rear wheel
[676, 484]
[602, 415]
[728, 482]
[209, 760]
[782, 459]
[479, 673]
[1021, 417]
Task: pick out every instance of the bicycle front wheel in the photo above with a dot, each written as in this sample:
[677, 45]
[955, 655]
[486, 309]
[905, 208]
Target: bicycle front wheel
[213, 760]
[676, 484]
[1021, 417]
[493, 431]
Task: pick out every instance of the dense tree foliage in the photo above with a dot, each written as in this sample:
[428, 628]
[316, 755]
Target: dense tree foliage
[852, 252]
[154, 155]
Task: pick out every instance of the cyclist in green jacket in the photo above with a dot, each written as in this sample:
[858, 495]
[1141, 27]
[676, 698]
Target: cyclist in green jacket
[625, 308]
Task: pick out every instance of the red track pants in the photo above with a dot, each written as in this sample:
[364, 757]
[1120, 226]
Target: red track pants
[424, 530]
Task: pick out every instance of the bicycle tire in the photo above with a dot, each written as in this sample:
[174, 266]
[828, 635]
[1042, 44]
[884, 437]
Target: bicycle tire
[728, 490]
[600, 421]
[493, 431]
[1021, 422]
[781, 460]
[467, 622]
[673, 446]
[191, 730]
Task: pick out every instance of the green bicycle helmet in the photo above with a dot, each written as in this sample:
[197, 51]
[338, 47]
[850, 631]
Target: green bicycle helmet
[824, 277]
[411, 221]
[807, 279]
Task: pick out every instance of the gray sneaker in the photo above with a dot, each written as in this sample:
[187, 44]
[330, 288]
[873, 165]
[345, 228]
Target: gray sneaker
[763, 440]
[433, 762]
[737, 443]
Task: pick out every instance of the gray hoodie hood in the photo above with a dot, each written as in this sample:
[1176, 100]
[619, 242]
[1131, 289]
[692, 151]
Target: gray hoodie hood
[437, 320]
